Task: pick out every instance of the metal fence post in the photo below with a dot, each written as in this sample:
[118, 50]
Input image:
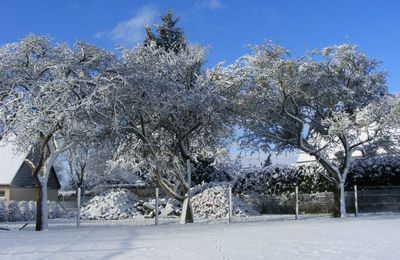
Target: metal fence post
[156, 209]
[355, 201]
[297, 202]
[78, 204]
[230, 204]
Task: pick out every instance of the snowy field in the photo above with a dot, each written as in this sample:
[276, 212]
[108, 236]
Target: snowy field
[367, 237]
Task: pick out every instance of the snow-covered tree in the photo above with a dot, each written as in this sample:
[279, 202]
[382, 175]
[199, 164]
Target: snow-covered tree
[82, 163]
[167, 35]
[328, 104]
[88, 167]
[47, 90]
[165, 110]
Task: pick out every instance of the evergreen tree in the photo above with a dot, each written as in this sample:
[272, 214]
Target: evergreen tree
[167, 35]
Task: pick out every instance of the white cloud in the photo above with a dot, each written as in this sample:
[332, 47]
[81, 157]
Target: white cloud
[129, 32]
[211, 4]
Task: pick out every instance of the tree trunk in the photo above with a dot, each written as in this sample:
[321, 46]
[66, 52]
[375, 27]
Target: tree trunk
[339, 200]
[42, 177]
[83, 190]
[39, 192]
[40, 173]
[339, 210]
[41, 207]
[187, 211]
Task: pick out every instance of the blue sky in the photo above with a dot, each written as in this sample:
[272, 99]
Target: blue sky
[225, 26]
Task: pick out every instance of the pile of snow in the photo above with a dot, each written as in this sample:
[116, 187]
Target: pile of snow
[24, 210]
[213, 203]
[111, 204]
[122, 204]
[166, 208]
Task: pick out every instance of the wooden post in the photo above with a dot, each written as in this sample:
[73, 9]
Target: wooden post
[230, 204]
[355, 201]
[297, 202]
[156, 209]
[78, 204]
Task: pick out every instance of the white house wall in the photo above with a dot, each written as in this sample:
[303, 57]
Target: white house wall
[10, 162]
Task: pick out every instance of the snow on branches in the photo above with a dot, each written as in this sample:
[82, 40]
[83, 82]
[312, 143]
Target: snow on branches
[329, 104]
[47, 90]
[166, 110]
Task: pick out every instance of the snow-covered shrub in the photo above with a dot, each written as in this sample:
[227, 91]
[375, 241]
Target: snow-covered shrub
[32, 208]
[369, 171]
[26, 210]
[313, 178]
[271, 189]
[208, 173]
[53, 209]
[275, 180]
[376, 171]
[213, 203]
[14, 213]
[215, 166]
[3, 211]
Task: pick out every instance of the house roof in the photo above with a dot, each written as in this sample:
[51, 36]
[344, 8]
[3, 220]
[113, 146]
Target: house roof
[10, 162]
[306, 158]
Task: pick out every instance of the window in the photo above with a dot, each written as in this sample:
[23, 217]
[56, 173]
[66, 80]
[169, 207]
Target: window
[2, 194]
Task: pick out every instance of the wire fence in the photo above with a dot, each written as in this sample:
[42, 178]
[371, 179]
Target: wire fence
[374, 199]
[288, 206]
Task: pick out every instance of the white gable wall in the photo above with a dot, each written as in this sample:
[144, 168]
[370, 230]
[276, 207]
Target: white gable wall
[10, 162]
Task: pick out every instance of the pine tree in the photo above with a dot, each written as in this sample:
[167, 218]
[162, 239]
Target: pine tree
[167, 35]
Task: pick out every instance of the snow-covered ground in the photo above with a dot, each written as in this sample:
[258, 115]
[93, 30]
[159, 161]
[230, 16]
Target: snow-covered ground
[366, 237]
